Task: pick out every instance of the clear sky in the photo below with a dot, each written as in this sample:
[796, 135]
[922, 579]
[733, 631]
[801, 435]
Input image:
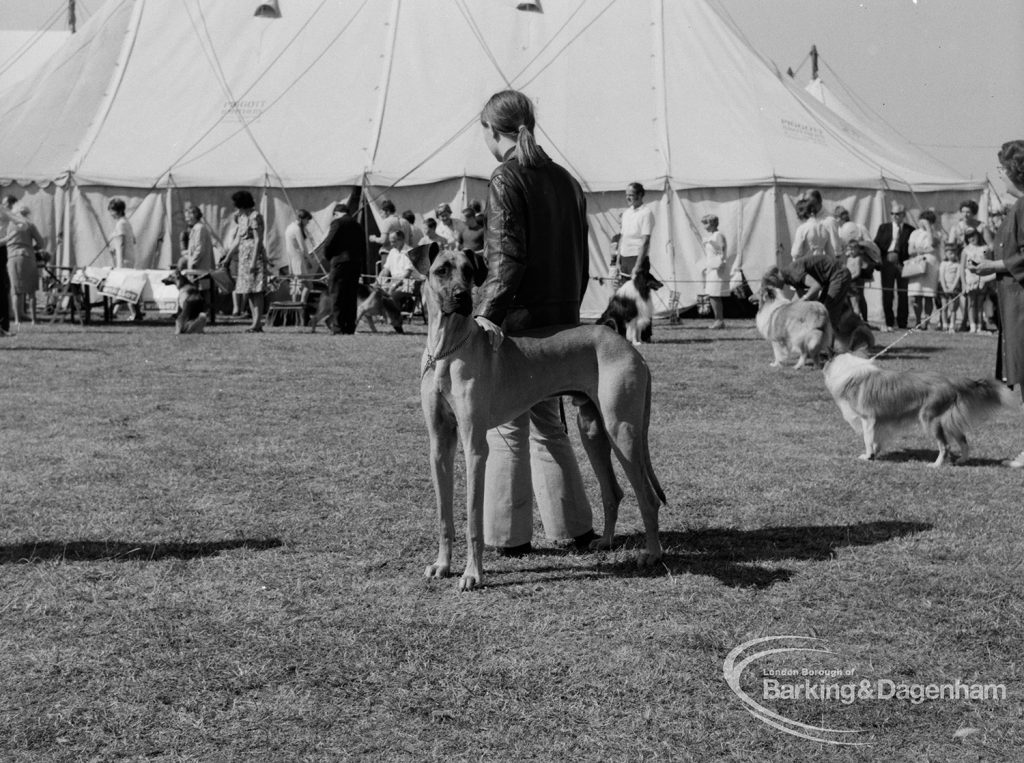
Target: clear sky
[946, 74]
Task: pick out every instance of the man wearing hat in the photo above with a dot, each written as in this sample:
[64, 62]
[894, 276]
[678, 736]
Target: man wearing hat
[893, 242]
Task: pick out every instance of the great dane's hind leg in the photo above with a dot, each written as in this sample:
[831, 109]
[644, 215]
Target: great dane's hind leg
[443, 437]
[626, 423]
[599, 451]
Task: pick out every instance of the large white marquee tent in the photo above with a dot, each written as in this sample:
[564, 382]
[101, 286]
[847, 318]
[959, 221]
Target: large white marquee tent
[165, 103]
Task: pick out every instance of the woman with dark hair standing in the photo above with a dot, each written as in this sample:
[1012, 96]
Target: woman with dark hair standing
[1008, 267]
[248, 246]
[538, 260]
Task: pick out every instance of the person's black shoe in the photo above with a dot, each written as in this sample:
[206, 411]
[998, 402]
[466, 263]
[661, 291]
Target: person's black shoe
[514, 552]
[582, 542]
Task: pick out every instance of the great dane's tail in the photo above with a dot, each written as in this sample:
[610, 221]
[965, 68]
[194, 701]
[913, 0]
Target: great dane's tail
[648, 467]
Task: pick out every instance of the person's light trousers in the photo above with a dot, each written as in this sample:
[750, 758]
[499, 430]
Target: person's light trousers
[532, 456]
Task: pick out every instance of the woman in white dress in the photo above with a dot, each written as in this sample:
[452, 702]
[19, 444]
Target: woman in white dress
[921, 288]
[716, 285]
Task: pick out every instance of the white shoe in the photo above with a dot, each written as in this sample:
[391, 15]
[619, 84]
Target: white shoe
[1016, 463]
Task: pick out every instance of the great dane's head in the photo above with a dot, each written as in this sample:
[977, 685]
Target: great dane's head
[450, 282]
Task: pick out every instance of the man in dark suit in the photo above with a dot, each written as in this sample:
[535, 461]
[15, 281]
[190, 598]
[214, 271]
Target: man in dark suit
[893, 241]
[344, 247]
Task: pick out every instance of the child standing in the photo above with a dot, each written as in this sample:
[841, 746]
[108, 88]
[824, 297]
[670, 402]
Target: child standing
[950, 278]
[862, 272]
[975, 286]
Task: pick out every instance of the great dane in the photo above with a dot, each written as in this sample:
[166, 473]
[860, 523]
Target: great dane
[466, 388]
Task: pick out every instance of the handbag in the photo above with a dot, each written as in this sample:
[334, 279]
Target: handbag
[739, 287]
[914, 268]
[714, 261]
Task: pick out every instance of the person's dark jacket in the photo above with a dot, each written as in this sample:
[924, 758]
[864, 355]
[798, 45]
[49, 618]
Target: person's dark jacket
[345, 240]
[536, 247]
[883, 238]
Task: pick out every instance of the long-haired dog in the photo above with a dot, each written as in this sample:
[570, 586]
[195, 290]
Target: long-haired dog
[879, 402]
[793, 328]
[191, 315]
[631, 310]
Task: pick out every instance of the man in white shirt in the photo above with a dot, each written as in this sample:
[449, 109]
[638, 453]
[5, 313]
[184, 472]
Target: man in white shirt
[299, 246]
[399, 275]
[635, 231]
[391, 222]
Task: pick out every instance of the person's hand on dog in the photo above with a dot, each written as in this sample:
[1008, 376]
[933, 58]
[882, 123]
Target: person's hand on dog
[493, 330]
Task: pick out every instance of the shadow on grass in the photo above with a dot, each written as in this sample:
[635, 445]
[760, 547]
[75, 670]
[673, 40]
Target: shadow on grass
[31, 348]
[928, 457]
[118, 551]
[731, 556]
[708, 340]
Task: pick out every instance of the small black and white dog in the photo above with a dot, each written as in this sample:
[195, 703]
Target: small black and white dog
[630, 310]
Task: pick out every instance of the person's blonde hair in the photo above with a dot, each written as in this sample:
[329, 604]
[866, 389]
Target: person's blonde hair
[510, 113]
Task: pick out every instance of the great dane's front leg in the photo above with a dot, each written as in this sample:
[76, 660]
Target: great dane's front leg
[474, 444]
[443, 438]
[599, 451]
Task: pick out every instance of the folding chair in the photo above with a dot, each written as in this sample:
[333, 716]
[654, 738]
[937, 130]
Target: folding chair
[284, 309]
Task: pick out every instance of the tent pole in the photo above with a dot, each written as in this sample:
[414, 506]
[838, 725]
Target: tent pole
[66, 252]
[167, 257]
[814, 62]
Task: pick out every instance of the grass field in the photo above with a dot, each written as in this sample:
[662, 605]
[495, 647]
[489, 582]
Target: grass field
[212, 548]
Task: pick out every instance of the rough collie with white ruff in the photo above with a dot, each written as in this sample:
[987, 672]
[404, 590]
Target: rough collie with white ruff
[793, 328]
[631, 310]
[878, 402]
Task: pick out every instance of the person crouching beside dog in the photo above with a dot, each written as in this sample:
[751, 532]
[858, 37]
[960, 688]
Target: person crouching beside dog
[538, 259]
[199, 257]
[823, 278]
[399, 276]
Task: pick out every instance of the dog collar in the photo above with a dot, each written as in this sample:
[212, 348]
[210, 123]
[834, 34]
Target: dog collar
[431, 361]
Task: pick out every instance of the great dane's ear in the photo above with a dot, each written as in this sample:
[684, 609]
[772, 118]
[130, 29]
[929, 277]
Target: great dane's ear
[479, 266]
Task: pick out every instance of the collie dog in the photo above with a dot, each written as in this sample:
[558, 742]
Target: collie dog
[793, 328]
[879, 402]
[630, 310]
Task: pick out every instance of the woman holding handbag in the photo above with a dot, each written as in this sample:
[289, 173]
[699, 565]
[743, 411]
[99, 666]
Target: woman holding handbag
[922, 269]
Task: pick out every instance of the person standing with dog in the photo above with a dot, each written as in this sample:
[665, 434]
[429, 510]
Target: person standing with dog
[253, 265]
[1008, 267]
[893, 242]
[635, 231]
[538, 262]
[22, 241]
[344, 247]
[199, 257]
